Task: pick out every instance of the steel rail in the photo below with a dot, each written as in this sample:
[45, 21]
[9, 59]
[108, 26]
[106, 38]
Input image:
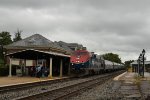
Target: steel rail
[67, 91]
[31, 84]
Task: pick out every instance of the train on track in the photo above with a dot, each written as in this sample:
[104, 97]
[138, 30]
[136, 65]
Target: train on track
[88, 63]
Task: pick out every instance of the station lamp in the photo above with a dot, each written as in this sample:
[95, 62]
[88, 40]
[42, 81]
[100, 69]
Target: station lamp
[139, 67]
[143, 51]
[140, 57]
[143, 54]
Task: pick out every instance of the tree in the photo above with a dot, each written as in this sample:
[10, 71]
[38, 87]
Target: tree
[112, 57]
[17, 36]
[127, 63]
[5, 38]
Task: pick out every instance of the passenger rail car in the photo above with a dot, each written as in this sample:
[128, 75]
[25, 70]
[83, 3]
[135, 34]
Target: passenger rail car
[85, 63]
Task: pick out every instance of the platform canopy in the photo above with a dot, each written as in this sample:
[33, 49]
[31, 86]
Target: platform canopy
[33, 54]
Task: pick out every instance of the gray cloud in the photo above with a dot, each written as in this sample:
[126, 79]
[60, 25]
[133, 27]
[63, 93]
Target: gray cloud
[119, 26]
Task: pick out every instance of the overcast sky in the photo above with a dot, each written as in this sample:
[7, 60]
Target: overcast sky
[118, 26]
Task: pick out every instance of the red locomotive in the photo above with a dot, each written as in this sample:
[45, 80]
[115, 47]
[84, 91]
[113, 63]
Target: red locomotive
[80, 57]
[85, 63]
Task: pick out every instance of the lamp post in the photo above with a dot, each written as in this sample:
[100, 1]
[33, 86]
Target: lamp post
[140, 64]
[138, 69]
[143, 54]
[141, 59]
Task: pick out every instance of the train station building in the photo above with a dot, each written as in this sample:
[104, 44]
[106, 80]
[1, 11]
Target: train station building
[135, 65]
[36, 52]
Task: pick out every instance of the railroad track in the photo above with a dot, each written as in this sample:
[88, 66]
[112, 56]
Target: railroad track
[31, 84]
[67, 91]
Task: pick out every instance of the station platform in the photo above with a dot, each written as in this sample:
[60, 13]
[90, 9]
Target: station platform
[132, 86]
[15, 80]
[132, 76]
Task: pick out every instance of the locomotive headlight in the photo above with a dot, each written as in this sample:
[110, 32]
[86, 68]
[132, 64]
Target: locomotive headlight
[72, 63]
[77, 61]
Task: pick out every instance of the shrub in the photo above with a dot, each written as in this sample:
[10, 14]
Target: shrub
[4, 71]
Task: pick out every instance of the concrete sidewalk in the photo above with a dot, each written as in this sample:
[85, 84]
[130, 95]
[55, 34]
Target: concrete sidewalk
[131, 76]
[134, 87]
[147, 76]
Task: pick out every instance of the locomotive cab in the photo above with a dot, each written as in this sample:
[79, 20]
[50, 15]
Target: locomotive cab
[80, 59]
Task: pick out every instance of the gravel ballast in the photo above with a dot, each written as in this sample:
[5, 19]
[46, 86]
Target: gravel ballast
[39, 89]
[116, 90]
[108, 90]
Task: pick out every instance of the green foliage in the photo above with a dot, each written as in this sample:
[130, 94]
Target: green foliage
[17, 36]
[127, 63]
[4, 71]
[1, 60]
[1, 53]
[112, 57]
[6, 38]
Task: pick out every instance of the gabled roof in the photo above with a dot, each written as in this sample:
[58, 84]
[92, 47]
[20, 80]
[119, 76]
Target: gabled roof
[70, 46]
[34, 41]
[63, 45]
